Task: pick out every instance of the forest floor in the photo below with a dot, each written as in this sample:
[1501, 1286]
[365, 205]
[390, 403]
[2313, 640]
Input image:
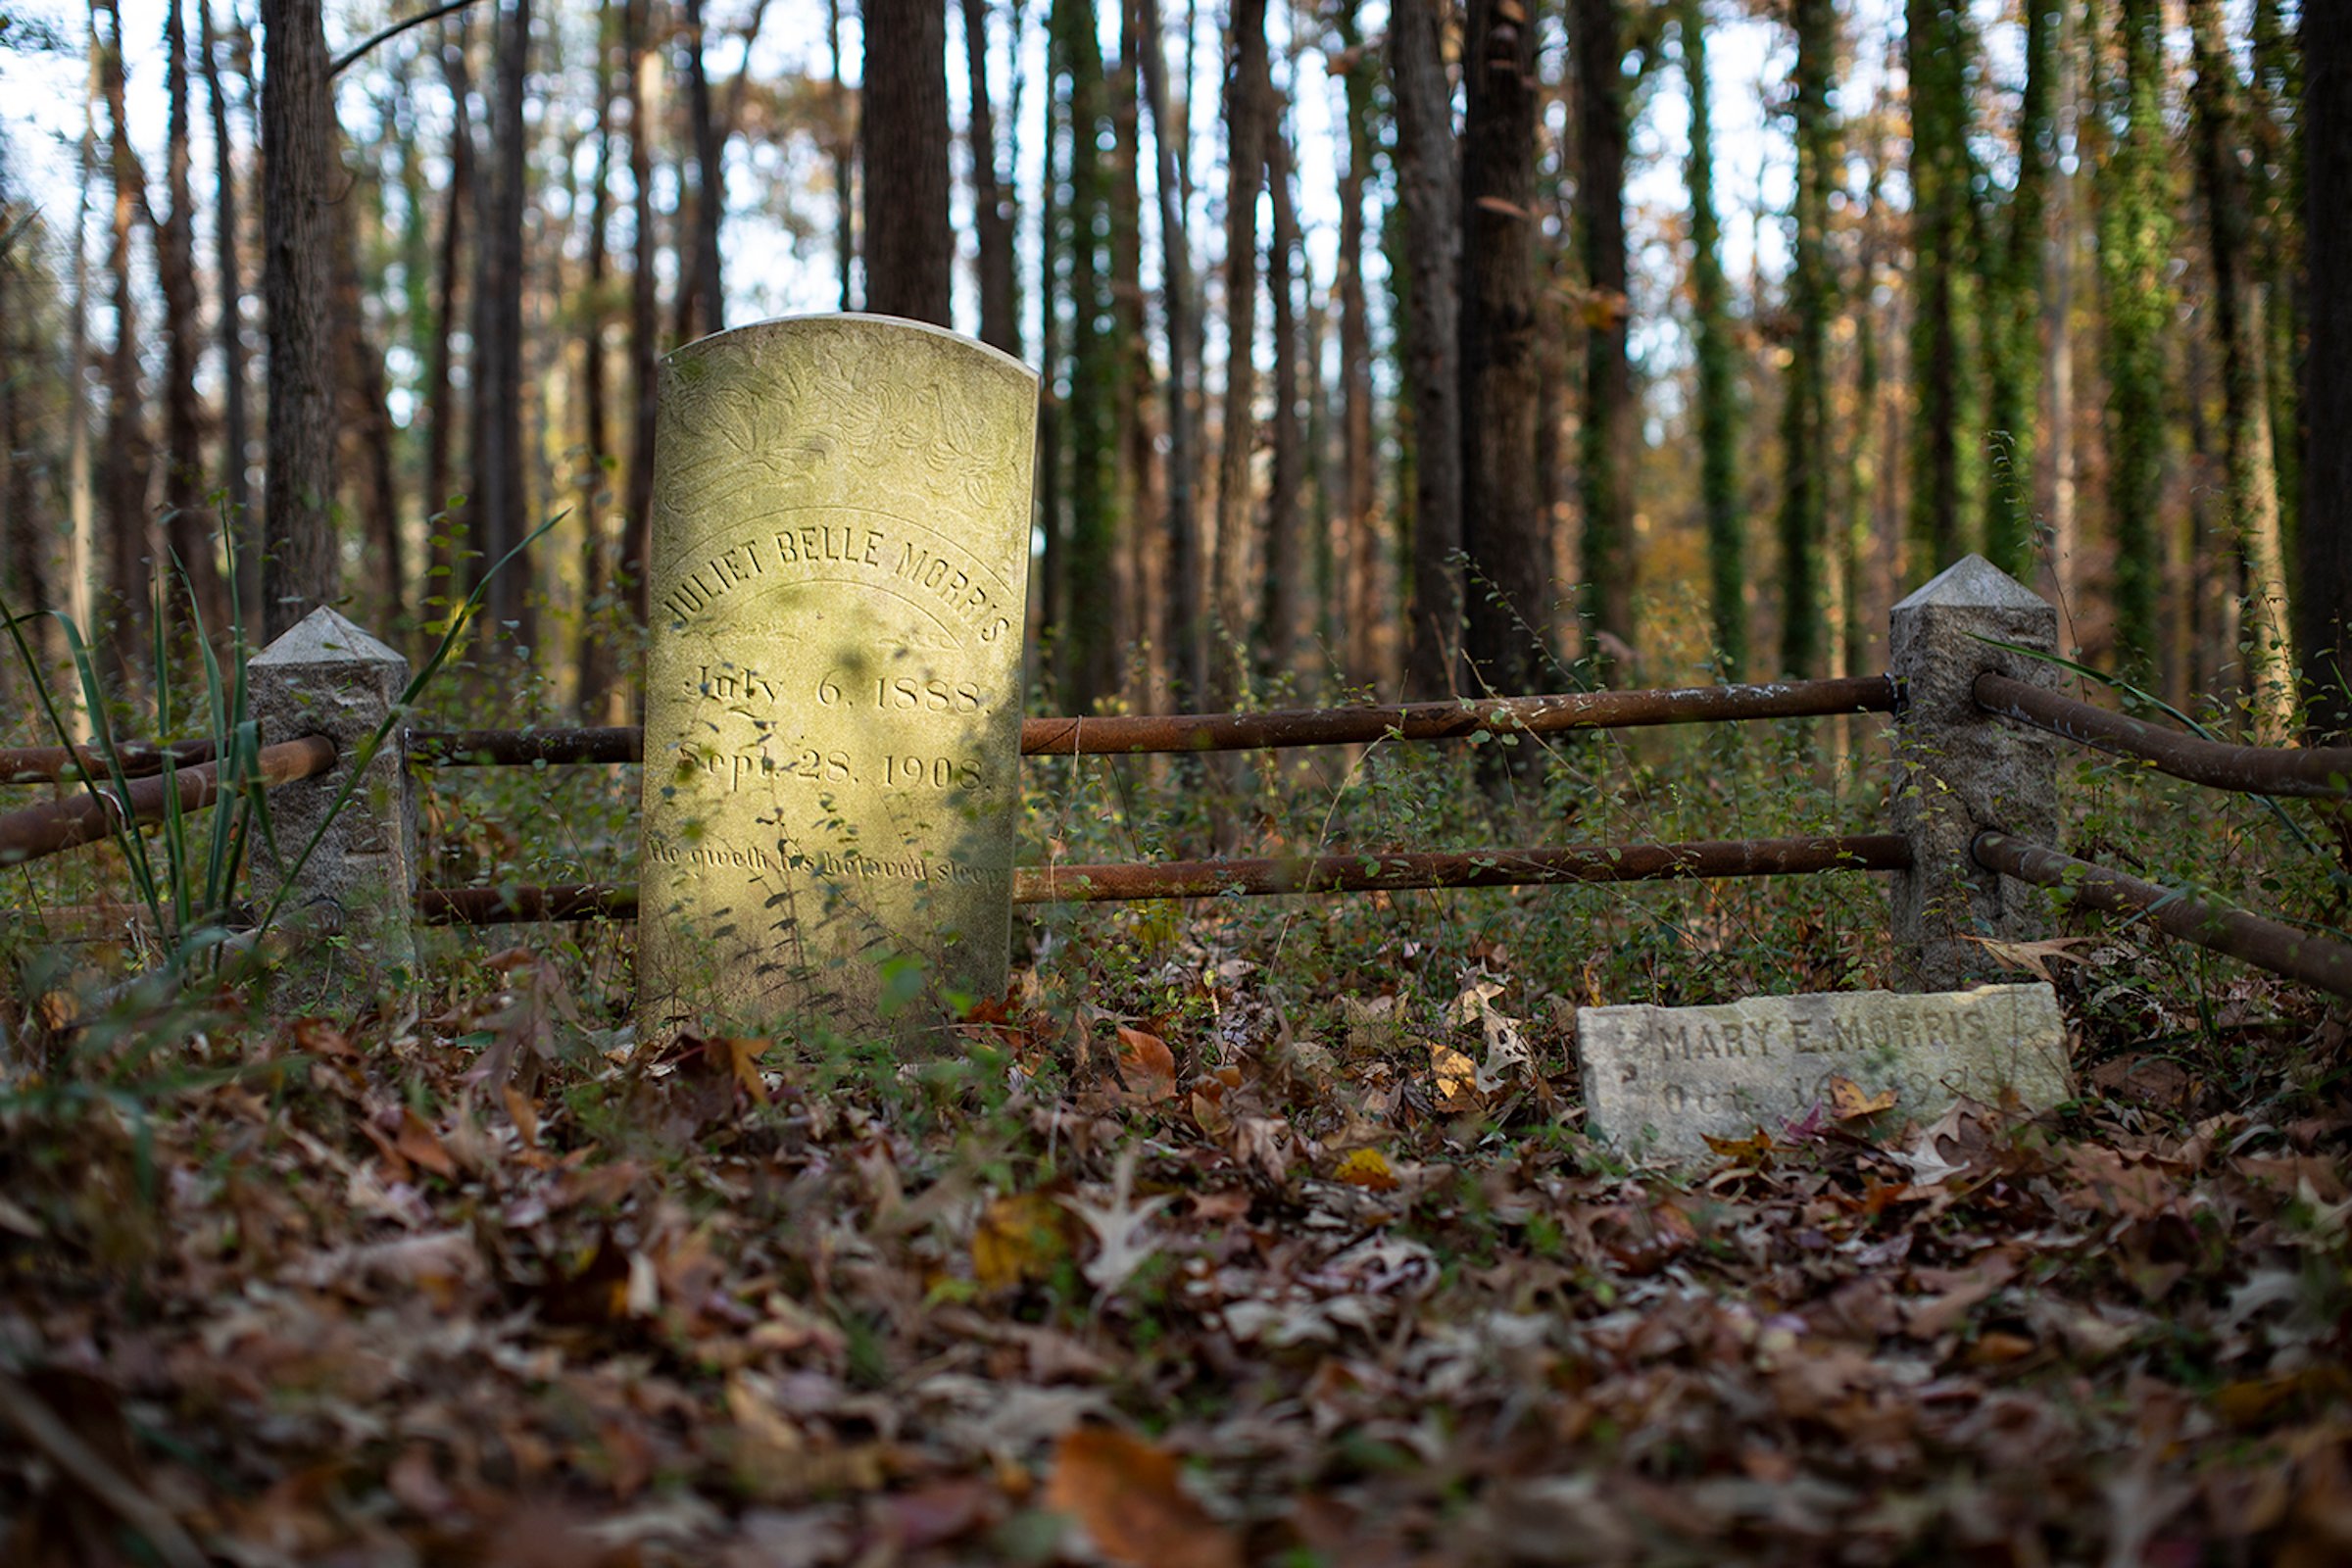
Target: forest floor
[1198, 1286]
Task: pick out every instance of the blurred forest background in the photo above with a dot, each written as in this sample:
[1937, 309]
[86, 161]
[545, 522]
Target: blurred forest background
[1387, 346]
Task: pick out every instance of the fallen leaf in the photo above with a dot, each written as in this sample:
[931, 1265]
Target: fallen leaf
[1021, 1237]
[421, 1146]
[1368, 1168]
[1147, 1066]
[1126, 1493]
[1850, 1101]
[1121, 1247]
[2033, 958]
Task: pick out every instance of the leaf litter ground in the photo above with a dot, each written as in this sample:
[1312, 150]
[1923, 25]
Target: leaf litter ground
[1197, 1287]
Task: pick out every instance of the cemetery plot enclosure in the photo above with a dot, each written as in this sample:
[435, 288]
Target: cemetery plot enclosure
[1985, 709]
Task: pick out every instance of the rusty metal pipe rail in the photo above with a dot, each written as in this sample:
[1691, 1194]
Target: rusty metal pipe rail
[522, 748]
[47, 765]
[1136, 734]
[2319, 772]
[94, 812]
[2317, 961]
[1325, 874]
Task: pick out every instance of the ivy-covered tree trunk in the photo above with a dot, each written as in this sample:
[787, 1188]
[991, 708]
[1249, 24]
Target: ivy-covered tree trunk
[1087, 649]
[1428, 190]
[2013, 297]
[1936, 54]
[2136, 241]
[2253, 483]
[1508, 583]
[1720, 498]
[1808, 448]
[1185, 624]
[1609, 428]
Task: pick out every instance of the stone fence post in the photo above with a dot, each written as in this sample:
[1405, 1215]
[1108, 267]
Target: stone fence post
[353, 902]
[1959, 770]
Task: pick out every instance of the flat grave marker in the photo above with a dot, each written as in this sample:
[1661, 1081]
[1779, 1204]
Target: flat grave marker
[833, 687]
[1659, 1080]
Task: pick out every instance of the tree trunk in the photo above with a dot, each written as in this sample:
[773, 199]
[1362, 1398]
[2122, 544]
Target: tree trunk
[702, 299]
[1186, 624]
[1087, 649]
[1808, 450]
[2253, 493]
[644, 312]
[25, 571]
[81, 523]
[1507, 584]
[2013, 274]
[300, 568]
[128, 458]
[1143, 562]
[910, 251]
[1247, 94]
[595, 661]
[1052, 511]
[1358, 550]
[496, 525]
[188, 525]
[1718, 387]
[845, 137]
[445, 574]
[991, 215]
[2324, 606]
[1937, 59]
[230, 267]
[2055, 476]
[2277, 187]
[369, 421]
[1609, 430]
[1284, 616]
[2135, 233]
[1428, 188]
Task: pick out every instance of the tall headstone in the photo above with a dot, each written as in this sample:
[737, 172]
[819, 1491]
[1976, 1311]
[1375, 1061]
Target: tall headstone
[1959, 771]
[833, 688]
[351, 904]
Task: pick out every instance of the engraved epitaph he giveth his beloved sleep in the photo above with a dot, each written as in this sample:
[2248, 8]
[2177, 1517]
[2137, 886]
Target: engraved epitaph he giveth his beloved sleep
[832, 730]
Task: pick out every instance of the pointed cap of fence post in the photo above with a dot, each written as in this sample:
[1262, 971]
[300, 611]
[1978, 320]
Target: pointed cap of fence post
[326, 636]
[1973, 583]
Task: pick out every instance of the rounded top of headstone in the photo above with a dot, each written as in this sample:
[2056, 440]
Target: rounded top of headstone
[326, 636]
[1973, 583]
[859, 322]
